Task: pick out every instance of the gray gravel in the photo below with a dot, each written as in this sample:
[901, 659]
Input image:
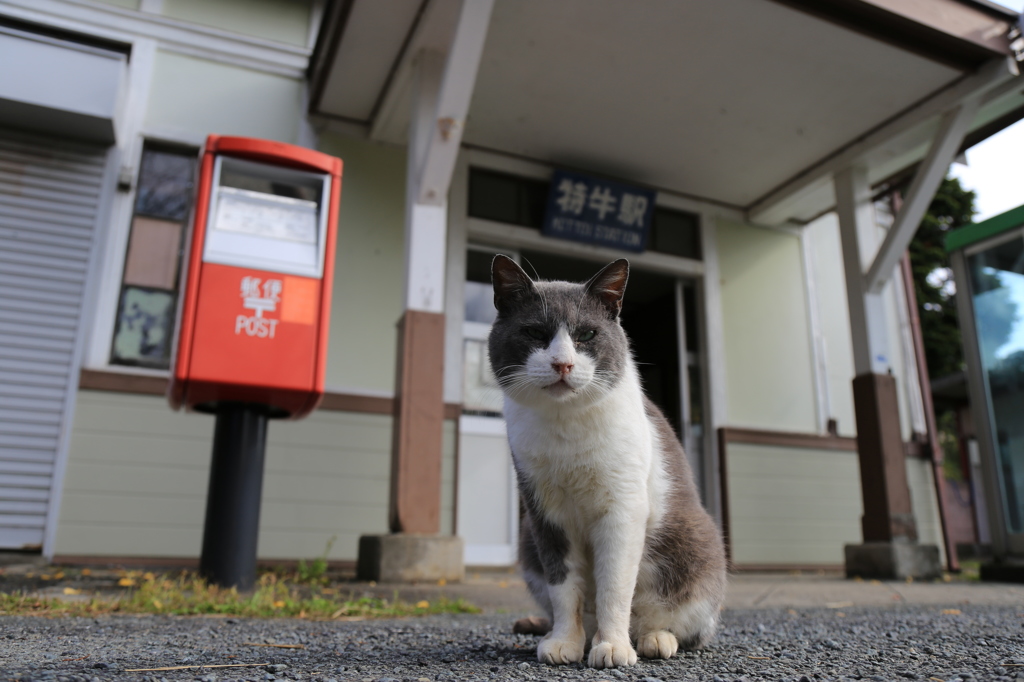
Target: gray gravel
[910, 643]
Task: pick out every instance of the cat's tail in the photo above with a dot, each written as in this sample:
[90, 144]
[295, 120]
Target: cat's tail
[532, 626]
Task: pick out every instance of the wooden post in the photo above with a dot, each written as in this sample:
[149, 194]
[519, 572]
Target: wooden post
[888, 514]
[418, 425]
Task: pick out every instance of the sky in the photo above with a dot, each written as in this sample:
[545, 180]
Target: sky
[994, 169]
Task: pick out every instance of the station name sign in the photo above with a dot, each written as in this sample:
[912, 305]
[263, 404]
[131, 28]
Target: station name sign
[600, 212]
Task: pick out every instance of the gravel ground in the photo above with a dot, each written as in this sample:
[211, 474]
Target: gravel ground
[908, 643]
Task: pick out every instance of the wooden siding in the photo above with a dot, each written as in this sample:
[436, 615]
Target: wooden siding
[137, 477]
[792, 506]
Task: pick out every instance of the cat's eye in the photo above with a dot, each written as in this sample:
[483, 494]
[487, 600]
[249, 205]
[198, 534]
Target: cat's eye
[586, 336]
[536, 333]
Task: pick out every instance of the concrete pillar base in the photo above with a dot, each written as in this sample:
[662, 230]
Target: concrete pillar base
[409, 557]
[893, 560]
[1006, 571]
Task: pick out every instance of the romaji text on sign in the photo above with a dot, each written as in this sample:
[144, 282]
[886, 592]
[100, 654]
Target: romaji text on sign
[597, 211]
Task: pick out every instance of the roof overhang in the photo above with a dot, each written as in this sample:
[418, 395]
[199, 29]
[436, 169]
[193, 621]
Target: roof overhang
[753, 104]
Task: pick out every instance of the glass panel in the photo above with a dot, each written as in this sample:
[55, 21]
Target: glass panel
[153, 253]
[237, 178]
[165, 184]
[676, 233]
[507, 198]
[144, 327]
[692, 323]
[696, 415]
[266, 215]
[997, 278]
[480, 303]
[479, 295]
[480, 391]
[478, 266]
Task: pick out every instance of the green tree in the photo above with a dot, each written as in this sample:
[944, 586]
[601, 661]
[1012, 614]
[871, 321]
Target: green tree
[952, 207]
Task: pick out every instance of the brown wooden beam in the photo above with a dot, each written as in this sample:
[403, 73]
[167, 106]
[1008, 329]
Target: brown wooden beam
[416, 447]
[883, 470]
[339, 565]
[788, 439]
[951, 32]
[123, 382]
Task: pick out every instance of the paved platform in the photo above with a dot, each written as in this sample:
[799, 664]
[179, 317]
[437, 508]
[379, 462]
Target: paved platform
[503, 591]
[499, 591]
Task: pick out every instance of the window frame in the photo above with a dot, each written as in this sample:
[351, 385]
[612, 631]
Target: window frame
[116, 241]
[184, 151]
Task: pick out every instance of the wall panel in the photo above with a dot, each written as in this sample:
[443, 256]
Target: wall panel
[137, 477]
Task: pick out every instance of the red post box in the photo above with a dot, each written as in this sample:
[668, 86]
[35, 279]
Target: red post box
[256, 304]
[252, 335]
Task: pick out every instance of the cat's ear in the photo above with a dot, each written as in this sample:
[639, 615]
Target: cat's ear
[511, 283]
[609, 285]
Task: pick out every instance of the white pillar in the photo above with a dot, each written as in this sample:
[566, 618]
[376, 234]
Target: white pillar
[859, 238]
[442, 89]
[426, 217]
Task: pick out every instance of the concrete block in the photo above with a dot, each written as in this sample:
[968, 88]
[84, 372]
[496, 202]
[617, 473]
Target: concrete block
[893, 560]
[407, 558]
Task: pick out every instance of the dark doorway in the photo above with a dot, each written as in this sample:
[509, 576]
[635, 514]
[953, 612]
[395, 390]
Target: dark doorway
[649, 316]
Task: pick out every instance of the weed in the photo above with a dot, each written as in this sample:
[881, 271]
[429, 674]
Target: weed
[315, 572]
[188, 594]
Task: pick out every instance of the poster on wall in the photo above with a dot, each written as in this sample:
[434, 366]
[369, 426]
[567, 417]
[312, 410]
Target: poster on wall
[597, 211]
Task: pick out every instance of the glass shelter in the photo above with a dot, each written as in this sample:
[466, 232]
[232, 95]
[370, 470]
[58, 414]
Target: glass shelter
[988, 264]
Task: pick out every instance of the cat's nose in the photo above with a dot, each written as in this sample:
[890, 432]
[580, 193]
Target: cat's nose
[562, 368]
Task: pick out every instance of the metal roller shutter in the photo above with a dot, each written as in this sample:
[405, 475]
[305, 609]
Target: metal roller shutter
[49, 198]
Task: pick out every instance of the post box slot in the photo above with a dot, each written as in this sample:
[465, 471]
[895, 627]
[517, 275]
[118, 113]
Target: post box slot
[267, 217]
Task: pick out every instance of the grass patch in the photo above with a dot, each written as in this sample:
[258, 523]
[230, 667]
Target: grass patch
[970, 571]
[187, 594]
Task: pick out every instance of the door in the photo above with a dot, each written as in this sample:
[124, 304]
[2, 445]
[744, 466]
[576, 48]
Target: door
[49, 198]
[995, 283]
[487, 515]
[658, 312]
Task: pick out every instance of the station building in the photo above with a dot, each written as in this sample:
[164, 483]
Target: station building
[763, 130]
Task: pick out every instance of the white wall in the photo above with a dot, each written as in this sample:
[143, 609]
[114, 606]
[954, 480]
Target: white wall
[767, 342]
[191, 98]
[285, 21]
[925, 504]
[369, 266]
[835, 319]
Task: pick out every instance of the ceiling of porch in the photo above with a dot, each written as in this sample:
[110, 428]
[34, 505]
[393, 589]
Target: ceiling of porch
[722, 100]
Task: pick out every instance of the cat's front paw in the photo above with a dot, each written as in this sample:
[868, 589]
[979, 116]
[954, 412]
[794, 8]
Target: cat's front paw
[611, 653]
[559, 651]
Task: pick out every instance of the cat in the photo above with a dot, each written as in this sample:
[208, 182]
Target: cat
[614, 543]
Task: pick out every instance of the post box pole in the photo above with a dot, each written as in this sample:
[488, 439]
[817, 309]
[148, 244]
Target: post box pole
[233, 499]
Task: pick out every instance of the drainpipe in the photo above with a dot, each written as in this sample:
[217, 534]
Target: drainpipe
[952, 561]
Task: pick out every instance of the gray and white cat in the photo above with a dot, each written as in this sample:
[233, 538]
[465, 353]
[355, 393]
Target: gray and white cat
[614, 542]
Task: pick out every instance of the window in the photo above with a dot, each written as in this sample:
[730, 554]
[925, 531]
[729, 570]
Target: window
[144, 326]
[522, 201]
[676, 233]
[479, 294]
[507, 198]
